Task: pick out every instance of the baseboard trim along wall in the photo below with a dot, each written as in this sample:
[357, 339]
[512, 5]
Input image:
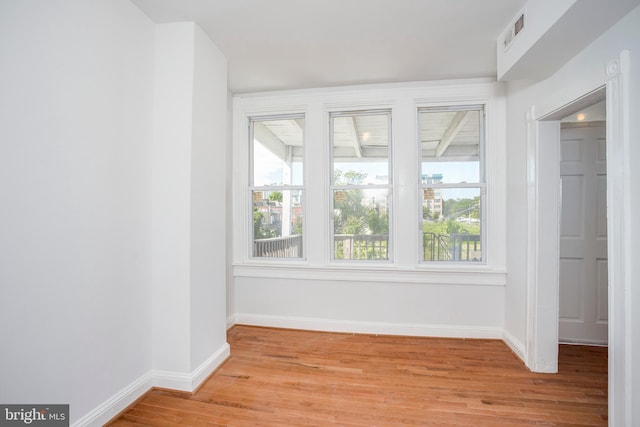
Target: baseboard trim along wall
[516, 346]
[154, 378]
[117, 403]
[231, 320]
[359, 327]
[190, 382]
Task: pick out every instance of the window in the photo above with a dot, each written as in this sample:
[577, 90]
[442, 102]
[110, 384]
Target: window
[361, 184]
[276, 186]
[452, 183]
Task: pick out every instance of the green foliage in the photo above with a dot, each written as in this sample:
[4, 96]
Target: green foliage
[454, 208]
[275, 196]
[354, 225]
[353, 215]
[348, 178]
[258, 229]
[453, 227]
[378, 222]
[350, 212]
[440, 227]
[297, 225]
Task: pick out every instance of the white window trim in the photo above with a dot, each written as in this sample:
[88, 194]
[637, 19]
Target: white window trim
[251, 187]
[403, 100]
[481, 184]
[332, 186]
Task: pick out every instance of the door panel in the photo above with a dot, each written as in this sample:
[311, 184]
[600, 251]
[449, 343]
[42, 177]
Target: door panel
[583, 236]
[571, 277]
[572, 225]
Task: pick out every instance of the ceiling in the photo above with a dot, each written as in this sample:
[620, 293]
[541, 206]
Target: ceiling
[593, 113]
[294, 44]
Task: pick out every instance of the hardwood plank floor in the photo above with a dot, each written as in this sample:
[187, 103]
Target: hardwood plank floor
[280, 377]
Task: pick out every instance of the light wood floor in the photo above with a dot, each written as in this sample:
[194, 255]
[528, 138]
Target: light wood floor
[278, 377]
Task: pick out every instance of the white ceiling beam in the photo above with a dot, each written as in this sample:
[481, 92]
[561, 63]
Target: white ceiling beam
[270, 141]
[353, 136]
[459, 120]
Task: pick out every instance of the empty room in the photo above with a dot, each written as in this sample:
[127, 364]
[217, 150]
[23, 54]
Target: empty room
[364, 213]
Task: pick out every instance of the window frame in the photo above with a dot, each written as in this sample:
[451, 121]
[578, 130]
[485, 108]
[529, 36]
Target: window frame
[403, 100]
[251, 187]
[332, 187]
[481, 184]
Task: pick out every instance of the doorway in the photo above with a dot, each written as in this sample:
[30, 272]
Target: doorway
[583, 260]
[543, 198]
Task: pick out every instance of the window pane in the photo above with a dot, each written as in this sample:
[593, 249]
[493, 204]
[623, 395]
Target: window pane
[451, 228]
[450, 146]
[361, 224]
[361, 146]
[277, 151]
[277, 223]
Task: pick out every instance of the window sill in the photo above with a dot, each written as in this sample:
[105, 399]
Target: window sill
[442, 275]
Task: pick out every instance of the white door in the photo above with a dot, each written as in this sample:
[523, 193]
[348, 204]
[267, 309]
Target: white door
[583, 235]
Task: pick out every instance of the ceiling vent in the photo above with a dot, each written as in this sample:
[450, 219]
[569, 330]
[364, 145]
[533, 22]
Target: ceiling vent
[513, 31]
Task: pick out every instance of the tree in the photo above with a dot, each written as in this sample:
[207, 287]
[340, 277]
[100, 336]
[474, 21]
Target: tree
[258, 230]
[348, 178]
[378, 222]
[275, 196]
[352, 215]
[454, 208]
[349, 210]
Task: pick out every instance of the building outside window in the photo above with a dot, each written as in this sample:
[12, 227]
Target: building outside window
[361, 185]
[276, 186]
[452, 183]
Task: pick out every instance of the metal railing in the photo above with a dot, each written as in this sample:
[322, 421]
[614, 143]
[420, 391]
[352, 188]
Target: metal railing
[361, 246]
[451, 247]
[278, 247]
[436, 247]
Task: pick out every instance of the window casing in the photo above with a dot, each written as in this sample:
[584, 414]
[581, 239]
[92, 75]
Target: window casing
[276, 186]
[452, 183]
[406, 261]
[361, 185]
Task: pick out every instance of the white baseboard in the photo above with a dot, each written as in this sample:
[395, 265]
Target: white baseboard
[516, 346]
[358, 327]
[172, 380]
[585, 342]
[203, 371]
[154, 378]
[190, 382]
[117, 403]
[231, 320]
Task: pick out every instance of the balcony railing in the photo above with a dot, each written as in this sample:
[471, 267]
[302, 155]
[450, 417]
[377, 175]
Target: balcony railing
[437, 247]
[451, 247]
[361, 246]
[278, 247]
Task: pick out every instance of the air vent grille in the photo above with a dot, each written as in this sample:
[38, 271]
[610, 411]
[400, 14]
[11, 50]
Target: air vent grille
[513, 31]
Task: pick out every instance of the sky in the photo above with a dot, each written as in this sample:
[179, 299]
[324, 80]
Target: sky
[268, 171]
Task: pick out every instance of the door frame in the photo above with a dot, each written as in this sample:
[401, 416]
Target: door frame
[543, 202]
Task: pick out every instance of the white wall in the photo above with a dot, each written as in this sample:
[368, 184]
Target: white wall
[230, 290]
[75, 188]
[208, 205]
[189, 262]
[171, 219]
[112, 240]
[402, 296]
[371, 307]
[582, 74]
